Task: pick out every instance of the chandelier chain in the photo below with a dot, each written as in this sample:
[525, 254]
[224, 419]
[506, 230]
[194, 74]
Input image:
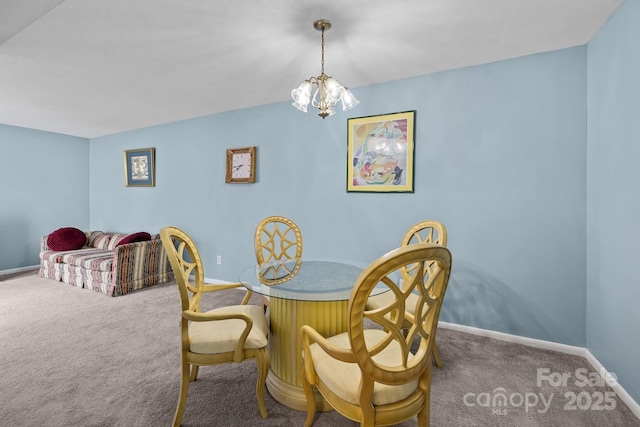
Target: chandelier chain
[322, 68]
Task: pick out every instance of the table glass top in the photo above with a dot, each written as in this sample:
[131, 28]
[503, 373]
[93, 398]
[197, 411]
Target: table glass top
[306, 280]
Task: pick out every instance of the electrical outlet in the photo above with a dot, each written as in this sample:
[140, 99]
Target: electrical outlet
[219, 259]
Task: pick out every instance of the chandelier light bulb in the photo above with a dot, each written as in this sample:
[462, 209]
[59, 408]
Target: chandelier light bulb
[302, 95]
[348, 100]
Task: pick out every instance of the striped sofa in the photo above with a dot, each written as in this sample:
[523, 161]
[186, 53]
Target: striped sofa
[105, 266]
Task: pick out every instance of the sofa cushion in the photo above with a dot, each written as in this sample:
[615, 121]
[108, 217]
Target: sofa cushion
[92, 259]
[99, 240]
[141, 236]
[66, 239]
[51, 256]
[116, 238]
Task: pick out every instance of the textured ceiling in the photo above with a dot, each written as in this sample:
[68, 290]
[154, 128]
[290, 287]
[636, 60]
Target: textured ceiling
[96, 67]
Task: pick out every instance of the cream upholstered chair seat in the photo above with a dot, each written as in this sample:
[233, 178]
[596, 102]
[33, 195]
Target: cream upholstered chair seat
[222, 336]
[343, 379]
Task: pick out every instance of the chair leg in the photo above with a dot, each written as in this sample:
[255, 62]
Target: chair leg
[368, 417]
[182, 399]
[311, 400]
[424, 416]
[434, 350]
[262, 360]
[194, 373]
[436, 355]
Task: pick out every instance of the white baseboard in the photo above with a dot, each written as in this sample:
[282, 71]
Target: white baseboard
[548, 345]
[532, 342]
[215, 281]
[617, 388]
[19, 270]
[220, 282]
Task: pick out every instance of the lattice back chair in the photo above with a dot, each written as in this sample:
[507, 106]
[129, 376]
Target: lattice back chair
[428, 231]
[222, 335]
[374, 373]
[277, 238]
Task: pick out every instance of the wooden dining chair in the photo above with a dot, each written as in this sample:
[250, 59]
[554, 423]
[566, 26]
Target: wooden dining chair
[374, 373]
[222, 335]
[424, 231]
[277, 238]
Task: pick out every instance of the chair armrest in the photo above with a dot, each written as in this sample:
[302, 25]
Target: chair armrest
[308, 335]
[214, 287]
[238, 352]
[208, 317]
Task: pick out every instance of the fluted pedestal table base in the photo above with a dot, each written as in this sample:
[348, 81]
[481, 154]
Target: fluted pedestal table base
[287, 317]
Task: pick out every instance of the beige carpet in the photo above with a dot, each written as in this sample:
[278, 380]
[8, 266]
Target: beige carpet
[73, 357]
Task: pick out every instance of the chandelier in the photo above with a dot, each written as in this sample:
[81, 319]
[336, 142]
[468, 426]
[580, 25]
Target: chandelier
[328, 91]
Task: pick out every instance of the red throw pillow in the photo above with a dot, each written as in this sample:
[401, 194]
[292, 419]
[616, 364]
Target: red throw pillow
[141, 236]
[66, 239]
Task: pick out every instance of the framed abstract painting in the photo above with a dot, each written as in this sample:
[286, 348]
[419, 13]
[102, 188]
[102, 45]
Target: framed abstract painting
[380, 153]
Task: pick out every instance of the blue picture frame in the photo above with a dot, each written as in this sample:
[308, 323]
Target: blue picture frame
[140, 167]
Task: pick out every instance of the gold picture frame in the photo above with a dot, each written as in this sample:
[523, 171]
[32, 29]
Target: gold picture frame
[380, 155]
[140, 167]
[241, 165]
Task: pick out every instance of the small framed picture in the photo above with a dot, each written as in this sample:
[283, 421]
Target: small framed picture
[380, 153]
[140, 167]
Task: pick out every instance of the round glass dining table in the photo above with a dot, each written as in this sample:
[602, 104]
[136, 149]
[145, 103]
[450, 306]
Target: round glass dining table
[301, 292]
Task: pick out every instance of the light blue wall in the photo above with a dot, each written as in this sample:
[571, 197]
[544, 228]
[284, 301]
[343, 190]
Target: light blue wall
[613, 208]
[535, 206]
[44, 186]
[500, 159]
